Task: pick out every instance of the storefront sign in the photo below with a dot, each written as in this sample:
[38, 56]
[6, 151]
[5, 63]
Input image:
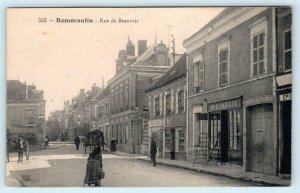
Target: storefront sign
[285, 97]
[227, 104]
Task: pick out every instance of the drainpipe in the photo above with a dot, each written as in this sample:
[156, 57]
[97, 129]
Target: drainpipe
[274, 69]
[187, 107]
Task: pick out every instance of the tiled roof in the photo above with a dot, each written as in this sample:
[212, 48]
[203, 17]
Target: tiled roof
[176, 71]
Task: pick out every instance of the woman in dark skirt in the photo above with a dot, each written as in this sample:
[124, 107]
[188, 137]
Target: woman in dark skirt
[94, 168]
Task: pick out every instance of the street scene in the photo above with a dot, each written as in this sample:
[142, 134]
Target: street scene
[149, 97]
[53, 166]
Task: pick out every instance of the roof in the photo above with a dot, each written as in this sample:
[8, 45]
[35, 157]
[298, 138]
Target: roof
[210, 24]
[16, 90]
[176, 71]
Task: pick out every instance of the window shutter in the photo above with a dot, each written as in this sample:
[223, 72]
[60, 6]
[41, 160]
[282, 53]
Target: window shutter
[184, 101]
[176, 102]
[160, 104]
[165, 103]
[153, 105]
[172, 101]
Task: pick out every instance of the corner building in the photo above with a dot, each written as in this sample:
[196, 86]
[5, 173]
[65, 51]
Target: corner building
[230, 88]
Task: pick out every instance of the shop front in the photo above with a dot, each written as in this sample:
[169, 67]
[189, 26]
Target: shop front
[285, 130]
[175, 131]
[156, 131]
[225, 130]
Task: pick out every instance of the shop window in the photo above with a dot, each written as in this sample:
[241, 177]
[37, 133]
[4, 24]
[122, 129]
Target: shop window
[287, 50]
[157, 107]
[198, 70]
[181, 143]
[214, 131]
[223, 66]
[181, 101]
[168, 104]
[234, 129]
[167, 139]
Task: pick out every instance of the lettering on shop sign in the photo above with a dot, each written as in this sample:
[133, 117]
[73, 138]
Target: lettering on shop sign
[223, 105]
[285, 97]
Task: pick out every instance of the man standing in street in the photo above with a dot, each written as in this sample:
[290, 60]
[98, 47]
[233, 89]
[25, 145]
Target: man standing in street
[77, 142]
[153, 151]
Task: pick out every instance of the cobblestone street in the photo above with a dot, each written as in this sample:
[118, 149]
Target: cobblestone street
[63, 166]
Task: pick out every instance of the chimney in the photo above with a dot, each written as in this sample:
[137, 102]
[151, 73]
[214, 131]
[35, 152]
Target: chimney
[26, 90]
[81, 91]
[95, 90]
[130, 48]
[142, 46]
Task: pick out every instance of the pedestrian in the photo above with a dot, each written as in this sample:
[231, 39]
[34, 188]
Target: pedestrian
[113, 145]
[20, 145]
[94, 168]
[153, 151]
[77, 142]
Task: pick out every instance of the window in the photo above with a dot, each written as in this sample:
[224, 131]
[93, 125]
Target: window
[234, 130]
[126, 99]
[168, 104]
[29, 113]
[121, 99]
[214, 132]
[117, 103]
[106, 109]
[258, 44]
[157, 107]
[223, 66]
[181, 140]
[98, 113]
[121, 133]
[258, 49]
[181, 101]
[287, 50]
[198, 76]
[112, 101]
[167, 139]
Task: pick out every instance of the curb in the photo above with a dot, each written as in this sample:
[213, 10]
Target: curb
[243, 178]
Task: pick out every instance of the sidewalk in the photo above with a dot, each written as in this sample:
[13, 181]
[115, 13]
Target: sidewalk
[230, 171]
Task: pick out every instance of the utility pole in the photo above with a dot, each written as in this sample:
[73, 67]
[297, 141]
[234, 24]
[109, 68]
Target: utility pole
[173, 49]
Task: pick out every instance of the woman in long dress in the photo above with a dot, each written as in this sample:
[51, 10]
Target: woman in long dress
[93, 168]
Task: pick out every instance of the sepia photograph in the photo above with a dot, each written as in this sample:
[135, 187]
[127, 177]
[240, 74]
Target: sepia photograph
[148, 97]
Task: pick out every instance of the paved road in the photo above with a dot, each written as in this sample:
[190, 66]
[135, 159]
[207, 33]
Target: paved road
[65, 167]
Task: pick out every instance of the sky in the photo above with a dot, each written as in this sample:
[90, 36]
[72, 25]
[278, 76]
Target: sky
[61, 58]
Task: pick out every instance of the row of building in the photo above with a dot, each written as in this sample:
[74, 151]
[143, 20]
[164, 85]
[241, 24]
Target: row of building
[232, 88]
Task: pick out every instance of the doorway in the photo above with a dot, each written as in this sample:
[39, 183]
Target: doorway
[261, 136]
[286, 128]
[172, 144]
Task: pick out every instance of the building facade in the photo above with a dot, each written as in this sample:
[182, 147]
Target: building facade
[25, 112]
[101, 114]
[231, 89]
[128, 104]
[284, 87]
[167, 112]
